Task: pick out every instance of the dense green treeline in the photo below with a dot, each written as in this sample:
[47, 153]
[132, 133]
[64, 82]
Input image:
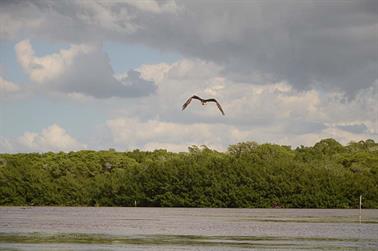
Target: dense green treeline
[327, 175]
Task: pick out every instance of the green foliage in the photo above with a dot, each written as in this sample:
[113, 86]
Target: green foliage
[327, 175]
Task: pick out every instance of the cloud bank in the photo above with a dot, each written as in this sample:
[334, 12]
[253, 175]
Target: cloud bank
[307, 43]
[285, 72]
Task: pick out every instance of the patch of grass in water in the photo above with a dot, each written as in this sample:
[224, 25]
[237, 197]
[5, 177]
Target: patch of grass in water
[310, 220]
[183, 240]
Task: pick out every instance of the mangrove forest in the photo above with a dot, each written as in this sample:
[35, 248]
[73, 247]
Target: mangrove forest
[247, 175]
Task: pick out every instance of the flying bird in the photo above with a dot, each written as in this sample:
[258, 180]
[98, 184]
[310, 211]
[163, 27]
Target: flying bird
[203, 101]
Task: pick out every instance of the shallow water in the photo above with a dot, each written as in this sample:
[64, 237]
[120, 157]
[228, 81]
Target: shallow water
[83, 228]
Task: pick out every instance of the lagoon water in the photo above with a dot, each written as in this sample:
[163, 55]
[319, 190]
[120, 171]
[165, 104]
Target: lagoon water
[85, 228]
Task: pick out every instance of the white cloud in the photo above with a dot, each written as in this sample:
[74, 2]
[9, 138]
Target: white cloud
[247, 102]
[134, 133]
[154, 72]
[151, 146]
[50, 67]
[78, 97]
[274, 112]
[81, 69]
[5, 145]
[131, 133]
[7, 87]
[154, 6]
[52, 138]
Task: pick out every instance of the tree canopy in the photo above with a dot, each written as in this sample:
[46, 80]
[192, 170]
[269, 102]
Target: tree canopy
[326, 175]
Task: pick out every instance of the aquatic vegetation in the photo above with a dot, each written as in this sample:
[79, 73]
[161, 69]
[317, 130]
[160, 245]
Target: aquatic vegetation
[239, 242]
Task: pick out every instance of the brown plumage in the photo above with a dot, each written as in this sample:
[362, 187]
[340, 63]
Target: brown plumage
[203, 101]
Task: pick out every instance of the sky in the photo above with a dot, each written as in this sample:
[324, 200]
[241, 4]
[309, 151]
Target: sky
[114, 74]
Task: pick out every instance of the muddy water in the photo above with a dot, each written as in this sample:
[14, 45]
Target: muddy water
[82, 228]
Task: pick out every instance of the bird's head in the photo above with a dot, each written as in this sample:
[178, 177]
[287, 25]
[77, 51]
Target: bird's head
[203, 103]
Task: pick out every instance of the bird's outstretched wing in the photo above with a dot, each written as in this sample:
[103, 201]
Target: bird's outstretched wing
[219, 106]
[189, 100]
